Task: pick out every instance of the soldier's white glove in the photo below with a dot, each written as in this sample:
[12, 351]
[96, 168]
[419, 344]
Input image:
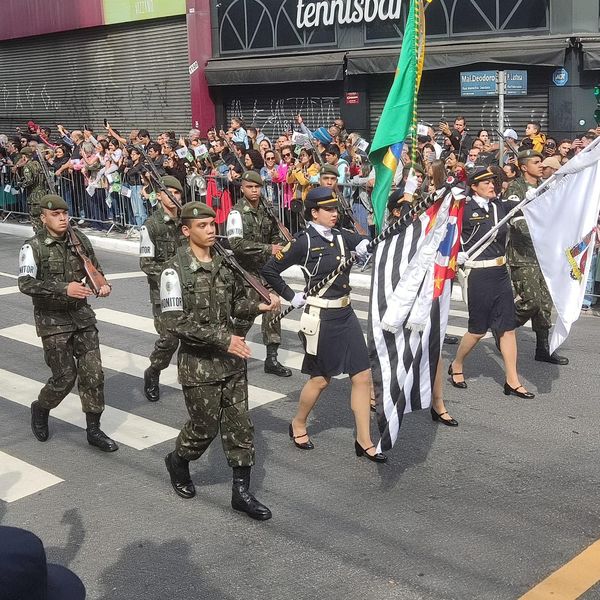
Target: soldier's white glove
[299, 300]
[361, 250]
[531, 193]
[412, 183]
[462, 258]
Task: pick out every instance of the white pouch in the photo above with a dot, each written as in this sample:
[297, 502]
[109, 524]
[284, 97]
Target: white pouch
[310, 325]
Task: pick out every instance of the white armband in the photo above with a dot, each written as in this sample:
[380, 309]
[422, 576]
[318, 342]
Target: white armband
[27, 264]
[146, 245]
[171, 298]
[235, 227]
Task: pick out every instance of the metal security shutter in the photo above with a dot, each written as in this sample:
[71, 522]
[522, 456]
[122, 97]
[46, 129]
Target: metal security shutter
[135, 75]
[440, 99]
[273, 113]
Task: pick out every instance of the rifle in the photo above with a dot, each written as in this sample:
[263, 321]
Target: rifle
[94, 278]
[384, 235]
[283, 230]
[227, 254]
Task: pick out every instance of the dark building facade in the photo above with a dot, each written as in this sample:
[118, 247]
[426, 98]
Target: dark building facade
[273, 59]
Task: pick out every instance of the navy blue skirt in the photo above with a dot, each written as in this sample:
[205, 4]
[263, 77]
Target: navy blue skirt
[342, 347]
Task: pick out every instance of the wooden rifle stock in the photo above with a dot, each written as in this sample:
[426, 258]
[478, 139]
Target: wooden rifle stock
[94, 278]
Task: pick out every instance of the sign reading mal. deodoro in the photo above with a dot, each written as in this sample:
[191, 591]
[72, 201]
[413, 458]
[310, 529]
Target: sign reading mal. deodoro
[346, 12]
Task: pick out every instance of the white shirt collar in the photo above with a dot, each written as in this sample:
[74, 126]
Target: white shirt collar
[483, 203]
[323, 231]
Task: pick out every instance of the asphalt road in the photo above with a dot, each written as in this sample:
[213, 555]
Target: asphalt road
[482, 511]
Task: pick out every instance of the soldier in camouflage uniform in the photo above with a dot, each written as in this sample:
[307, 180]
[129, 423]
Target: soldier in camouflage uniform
[200, 295]
[255, 237]
[51, 273]
[533, 300]
[33, 184]
[159, 239]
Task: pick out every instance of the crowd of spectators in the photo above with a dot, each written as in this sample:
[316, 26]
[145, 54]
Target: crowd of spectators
[105, 178]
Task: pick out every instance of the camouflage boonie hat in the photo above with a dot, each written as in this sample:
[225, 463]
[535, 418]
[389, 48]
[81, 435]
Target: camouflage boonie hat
[252, 177]
[172, 182]
[197, 210]
[53, 202]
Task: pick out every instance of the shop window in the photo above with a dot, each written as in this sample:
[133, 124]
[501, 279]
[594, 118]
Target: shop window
[245, 25]
[288, 35]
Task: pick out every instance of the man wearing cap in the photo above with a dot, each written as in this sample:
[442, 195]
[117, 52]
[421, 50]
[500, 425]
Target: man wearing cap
[550, 165]
[160, 237]
[200, 296]
[533, 300]
[33, 184]
[52, 274]
[254, 237]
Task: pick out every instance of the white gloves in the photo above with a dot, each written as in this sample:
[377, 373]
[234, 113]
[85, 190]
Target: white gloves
[462, 258]
[362, 249]
[412, 183]
[299, 300]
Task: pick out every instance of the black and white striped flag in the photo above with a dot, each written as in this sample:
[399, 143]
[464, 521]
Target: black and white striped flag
[404, 357]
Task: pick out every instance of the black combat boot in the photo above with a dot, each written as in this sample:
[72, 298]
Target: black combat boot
[243, 500]
[151, 389]
[272, 365]
[179, 471]
[39, 421]
[97, 437]
[542, 350]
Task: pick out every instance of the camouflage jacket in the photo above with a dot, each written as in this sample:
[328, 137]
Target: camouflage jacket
[259, 232]
[32, 182]
[159, 239]
[520, 250]
[46, 267]
[198, 304]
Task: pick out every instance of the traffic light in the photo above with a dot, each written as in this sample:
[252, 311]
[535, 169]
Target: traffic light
[597, 111]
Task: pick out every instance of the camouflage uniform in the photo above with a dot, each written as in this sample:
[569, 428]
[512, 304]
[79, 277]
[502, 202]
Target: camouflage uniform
[533, 298]
[160, 237]
[198, 302]
[253, 250]
[66, 325]
[32, 182]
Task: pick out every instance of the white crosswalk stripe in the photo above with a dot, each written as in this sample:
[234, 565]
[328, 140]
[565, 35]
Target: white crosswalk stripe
[13, 289]
[19, 479]
[129, 429]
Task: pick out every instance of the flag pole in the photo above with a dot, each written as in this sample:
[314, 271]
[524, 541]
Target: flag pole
[533, 194]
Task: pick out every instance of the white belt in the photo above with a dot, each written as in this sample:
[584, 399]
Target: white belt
[323, 303]
[484, 264]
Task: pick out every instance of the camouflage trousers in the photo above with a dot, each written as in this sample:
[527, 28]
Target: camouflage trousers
[71, 356]
[222, 405]
[271, 332]
[34, 214]
[533, 300]
[165, 346]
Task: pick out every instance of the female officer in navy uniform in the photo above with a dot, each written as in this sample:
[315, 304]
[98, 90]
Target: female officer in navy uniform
[489, 291]
[332, 335]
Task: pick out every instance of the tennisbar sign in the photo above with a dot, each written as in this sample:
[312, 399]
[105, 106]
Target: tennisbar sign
[346, 12]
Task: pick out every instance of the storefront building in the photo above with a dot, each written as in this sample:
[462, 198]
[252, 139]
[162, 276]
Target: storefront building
[273, 59]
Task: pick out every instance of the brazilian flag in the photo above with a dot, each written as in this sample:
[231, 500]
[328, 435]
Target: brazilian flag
[399, 115]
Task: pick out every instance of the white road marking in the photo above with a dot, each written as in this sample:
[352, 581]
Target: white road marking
[13, 289]
[129, 429]
[126, 275]
[19, 479]
[9, 275]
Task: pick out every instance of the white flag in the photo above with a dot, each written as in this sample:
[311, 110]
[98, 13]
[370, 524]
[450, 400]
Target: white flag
[562, 223]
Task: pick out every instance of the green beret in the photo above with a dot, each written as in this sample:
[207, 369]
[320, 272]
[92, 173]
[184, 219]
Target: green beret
[252, 177]
[53, 202]
[27, 151]
[418, 168]
[329, 170]
[527, 154]
[197, 210]
[172, 182]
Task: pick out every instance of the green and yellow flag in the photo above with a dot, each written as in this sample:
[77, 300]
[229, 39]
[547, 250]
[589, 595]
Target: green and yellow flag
[399, 116]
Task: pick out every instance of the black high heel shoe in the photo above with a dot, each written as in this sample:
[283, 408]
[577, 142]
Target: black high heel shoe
[376, 458]
[451, 422]
[508, 391]
[304, 445]
[457, 384]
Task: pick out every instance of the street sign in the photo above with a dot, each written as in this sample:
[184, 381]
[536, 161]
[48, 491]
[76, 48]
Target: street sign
[484, 83]
[560, 77]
